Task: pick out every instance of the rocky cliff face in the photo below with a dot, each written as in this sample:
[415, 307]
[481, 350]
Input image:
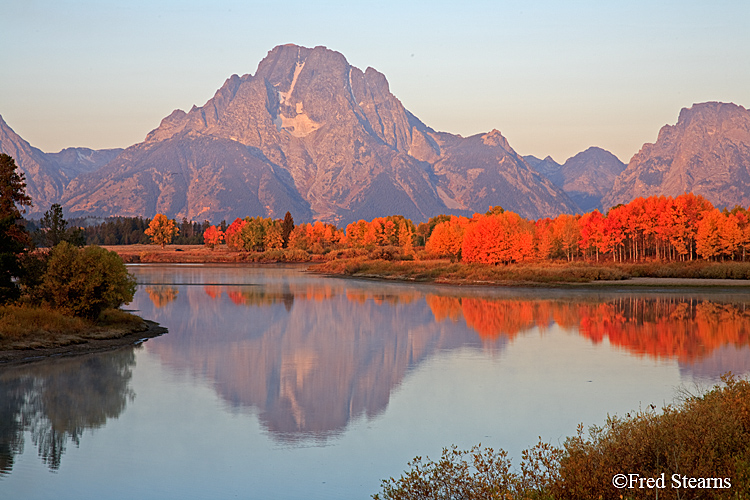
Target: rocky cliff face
[314, 135]
[706, 152]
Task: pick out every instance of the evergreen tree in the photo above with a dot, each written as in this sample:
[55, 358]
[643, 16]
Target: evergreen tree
[53, 226]
[286, 228]
[14, 240]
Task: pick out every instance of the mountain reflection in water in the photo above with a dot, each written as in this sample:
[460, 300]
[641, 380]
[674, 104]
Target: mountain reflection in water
[310, 354]
[57, 400]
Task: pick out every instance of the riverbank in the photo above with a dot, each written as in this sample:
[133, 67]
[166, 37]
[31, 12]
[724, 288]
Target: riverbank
[200, 254]
[442, 271]
[569, 274]
[29, 334]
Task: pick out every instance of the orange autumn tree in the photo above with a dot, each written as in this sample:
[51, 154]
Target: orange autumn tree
[162, 230]
[500, 238]
[447, 238]
[591, 228]
[213, 236]
[232, 235]
[566, 230]
[391, 231]
[316, 238]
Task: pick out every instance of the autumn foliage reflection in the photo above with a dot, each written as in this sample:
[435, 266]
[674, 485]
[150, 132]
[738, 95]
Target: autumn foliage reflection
[162, 295]
[686, 329]
[662, 327]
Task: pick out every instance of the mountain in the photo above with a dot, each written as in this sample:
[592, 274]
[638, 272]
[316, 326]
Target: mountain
[707, 152]
[76, 161]
[311, 134]
[586, 177]
[48, 174]
[548, 167]
[44, 181]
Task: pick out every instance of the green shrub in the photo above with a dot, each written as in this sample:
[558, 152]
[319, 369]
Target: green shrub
[87, 281]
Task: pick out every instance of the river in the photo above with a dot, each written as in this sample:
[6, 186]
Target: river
[274, 383]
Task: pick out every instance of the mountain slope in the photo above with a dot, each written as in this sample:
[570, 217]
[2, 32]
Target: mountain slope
[48, 174]
[586, 177]
[329, 136]
[707, 152]
[44, 181]
[589, 176]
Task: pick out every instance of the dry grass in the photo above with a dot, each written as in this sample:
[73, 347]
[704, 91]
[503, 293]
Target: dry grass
[695, 269]
[199, 254]
[443, 271]
[24, 327]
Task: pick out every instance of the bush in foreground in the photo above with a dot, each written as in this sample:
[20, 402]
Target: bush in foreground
[84, 282]
[706, 437]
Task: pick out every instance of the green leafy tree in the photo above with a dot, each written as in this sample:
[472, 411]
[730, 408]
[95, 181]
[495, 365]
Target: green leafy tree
[84, 282]
[253, 234]
[14, 240]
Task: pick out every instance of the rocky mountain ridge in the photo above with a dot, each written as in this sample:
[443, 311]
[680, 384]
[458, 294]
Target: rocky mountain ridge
[311, 134]
[586, 177]
[48, 174]
[706, 152]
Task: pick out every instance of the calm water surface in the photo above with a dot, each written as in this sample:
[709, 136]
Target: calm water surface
[273, 383]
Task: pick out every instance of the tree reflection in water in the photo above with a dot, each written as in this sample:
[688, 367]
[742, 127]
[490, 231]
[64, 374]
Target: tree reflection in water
[687, 329]
[162, 295]
[57, 400]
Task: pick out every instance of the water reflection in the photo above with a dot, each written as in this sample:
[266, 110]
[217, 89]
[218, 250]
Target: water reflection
[302, 356]
[57, 400]
[162, 295]
[687, 329]
[311, 354]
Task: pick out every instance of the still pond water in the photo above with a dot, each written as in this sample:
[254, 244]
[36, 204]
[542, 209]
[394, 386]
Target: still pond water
[276, 384]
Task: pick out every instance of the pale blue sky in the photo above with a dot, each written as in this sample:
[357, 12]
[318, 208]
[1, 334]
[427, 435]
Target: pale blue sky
[554, 77]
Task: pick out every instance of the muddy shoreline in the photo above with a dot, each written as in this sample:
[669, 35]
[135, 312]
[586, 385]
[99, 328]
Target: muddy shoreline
[20, 356]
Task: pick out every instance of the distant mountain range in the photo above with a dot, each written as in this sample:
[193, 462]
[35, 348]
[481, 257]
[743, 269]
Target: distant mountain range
[311, 134]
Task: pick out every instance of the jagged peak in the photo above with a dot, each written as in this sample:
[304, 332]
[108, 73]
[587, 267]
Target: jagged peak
[708, 108]
[495, 138]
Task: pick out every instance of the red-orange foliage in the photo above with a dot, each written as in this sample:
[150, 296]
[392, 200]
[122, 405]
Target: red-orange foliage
[213, 236]
[499, 238]
[657, 227]
[447, 238]
[656, 327]
[232, 236]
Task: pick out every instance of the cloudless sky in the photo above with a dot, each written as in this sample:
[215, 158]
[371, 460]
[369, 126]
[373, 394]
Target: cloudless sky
[554, 77]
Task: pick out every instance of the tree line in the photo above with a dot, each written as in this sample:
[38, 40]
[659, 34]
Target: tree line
[684, 228]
